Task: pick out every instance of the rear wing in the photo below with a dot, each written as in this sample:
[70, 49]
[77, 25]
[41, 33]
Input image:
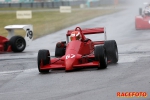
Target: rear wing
[28, 29]
[98, 30]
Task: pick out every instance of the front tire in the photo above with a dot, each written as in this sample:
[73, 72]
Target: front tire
[100, 55]
[17, 43]
[44, 57]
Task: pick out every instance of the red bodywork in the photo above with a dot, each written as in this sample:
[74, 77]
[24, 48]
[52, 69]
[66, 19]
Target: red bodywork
[142, 22]
[78, 53]
[3, 44]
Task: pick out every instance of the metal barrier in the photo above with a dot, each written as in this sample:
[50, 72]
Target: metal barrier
[35, 5]
[56, 4]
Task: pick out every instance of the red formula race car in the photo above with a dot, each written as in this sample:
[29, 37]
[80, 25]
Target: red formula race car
[142, 21]
[14, 42]
[79, 52]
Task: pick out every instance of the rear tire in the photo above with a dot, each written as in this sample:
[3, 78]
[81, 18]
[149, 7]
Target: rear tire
[111, 50]
[44, 56]
[60, 51]
[100, 55]
[140, 11]
[17, 43]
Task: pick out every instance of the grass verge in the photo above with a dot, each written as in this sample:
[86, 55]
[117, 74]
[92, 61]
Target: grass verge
[46, 22]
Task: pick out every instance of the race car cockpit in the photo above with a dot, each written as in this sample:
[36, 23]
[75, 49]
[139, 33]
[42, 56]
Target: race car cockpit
[147, 10]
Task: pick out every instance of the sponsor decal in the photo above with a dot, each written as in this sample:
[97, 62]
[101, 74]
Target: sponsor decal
[65, 9]
[24, 14]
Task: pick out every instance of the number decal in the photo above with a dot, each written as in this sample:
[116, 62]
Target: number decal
[29, 33]
[70, 56]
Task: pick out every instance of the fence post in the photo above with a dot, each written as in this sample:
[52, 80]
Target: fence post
[53, 4]
[20, 5]
[68, 3]
[31, 4]
[9, 5]
[62, 3]
[42, 4]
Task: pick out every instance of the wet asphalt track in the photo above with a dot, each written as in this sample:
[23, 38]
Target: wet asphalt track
[20, 79]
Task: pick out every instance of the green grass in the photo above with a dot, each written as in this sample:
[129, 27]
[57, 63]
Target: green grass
[47, 22]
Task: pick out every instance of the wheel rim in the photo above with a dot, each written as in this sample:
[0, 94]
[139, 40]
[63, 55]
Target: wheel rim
[19, 43]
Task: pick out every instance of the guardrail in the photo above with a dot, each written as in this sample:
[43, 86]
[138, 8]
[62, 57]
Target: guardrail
[55, 4]
[35, 5]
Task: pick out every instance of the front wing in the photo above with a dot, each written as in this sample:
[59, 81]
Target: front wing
[60, 65]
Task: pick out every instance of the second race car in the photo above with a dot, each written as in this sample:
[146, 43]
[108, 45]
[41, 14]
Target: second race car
[142, 21]
[14, 42]
[79, 52]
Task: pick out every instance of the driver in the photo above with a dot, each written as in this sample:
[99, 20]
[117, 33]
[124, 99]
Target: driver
[147, 10]
[75, 35]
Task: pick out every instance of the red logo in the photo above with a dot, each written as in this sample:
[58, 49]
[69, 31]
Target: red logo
[132, 94]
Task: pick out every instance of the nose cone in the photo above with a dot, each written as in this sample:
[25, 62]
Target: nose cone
[69, 64]
[70, 59]
[73, 48]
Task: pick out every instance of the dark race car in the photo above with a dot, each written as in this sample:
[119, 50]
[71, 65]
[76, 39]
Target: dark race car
[14, 42]
[79, 52]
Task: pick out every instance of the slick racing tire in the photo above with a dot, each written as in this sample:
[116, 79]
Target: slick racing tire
[44, 58]
[111, 50]
[60, 49]
[17, 43]
[140, 11]
[59, 52]
[100, 55]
